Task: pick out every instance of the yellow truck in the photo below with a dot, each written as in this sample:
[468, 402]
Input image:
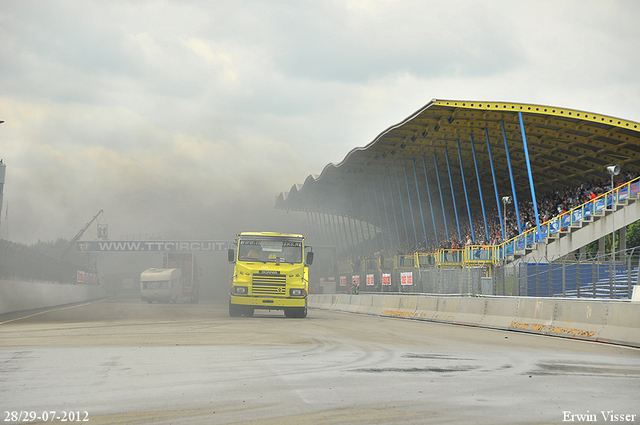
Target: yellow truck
[270, 272]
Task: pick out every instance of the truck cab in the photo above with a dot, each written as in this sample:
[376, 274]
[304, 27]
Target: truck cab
[270, 272]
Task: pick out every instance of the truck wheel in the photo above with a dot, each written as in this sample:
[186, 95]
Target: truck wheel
[296, 312]
[248, 312]
[234, 310]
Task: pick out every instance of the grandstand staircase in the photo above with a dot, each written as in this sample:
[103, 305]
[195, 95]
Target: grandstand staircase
[580, 234]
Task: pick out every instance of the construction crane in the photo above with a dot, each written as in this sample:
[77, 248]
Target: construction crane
[77, 237]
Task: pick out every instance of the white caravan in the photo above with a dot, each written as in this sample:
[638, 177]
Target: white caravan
[161, 285]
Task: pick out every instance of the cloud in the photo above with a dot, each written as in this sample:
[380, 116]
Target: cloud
[192, 116]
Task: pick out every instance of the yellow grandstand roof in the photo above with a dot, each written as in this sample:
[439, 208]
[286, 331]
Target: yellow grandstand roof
[566, 147]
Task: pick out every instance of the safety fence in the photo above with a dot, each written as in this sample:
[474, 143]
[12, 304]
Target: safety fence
[589, 276]
[406, 278]
[19, 262]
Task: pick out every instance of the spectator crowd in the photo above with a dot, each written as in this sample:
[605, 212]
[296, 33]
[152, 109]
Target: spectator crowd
[550, 205]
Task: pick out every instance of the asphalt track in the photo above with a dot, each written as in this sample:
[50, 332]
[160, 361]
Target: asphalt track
[128, 362]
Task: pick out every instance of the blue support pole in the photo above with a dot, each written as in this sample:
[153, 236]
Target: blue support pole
[373, 219]
[433, 217]
[327, 225]
[353, 240]
[475, 163]
[533, 189]
[312, 230]
[393, 209]
[466, 196]
[513, 184]
[375, 192]
[444, 214]
[313, 225]
[386, 213]
[343, 233]
[323, 237]
[348, 236]
[355, 224]
[404, 219]
[327, 235]
[453, 195]
[415, 232]
[364, 213]
[318, 225]
[336, 230]
[495, 184]
[424, 227]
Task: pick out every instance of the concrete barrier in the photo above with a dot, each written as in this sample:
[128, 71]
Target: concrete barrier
[428, 307]
[471, 310]
[19, 296]
[447, 309]
[499, 312]
[611, 321]
[400, 306]
[366, 302]
[622, 324]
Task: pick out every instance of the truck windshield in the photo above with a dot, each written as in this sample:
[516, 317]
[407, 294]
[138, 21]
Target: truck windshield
[266, 250]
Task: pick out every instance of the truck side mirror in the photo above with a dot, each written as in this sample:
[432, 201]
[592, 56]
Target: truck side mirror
[231, 255]
[309, 258]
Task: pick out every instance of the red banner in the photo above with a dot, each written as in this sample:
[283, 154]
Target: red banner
[370, 281]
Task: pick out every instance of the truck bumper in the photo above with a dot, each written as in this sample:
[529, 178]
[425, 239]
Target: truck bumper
[268, 302]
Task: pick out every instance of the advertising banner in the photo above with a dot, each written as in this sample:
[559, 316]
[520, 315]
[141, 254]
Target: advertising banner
[151, 246]
[370, 281]
[386, 279]
[86, 277]
[406, 278]
[343, 281]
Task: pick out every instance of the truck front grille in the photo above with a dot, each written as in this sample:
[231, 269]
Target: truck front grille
[269, 285]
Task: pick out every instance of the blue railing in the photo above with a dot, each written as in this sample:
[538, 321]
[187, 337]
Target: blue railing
[567, 219]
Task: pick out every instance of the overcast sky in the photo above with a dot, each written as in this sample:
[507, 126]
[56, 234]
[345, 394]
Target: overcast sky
[192, 116]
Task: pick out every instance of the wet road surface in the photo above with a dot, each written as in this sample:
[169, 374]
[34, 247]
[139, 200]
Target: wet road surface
[127, 362]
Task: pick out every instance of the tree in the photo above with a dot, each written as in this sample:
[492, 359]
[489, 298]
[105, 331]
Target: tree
[633, 235]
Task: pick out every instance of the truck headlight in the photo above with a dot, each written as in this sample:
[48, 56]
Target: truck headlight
[239, 289]
[298, 292]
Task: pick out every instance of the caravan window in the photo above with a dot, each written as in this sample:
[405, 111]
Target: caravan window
[156, 284]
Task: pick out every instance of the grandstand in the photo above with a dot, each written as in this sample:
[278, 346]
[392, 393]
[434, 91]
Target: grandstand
[474, 192]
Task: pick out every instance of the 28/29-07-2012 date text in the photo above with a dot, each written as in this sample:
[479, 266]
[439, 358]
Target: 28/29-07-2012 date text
[46, 416]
